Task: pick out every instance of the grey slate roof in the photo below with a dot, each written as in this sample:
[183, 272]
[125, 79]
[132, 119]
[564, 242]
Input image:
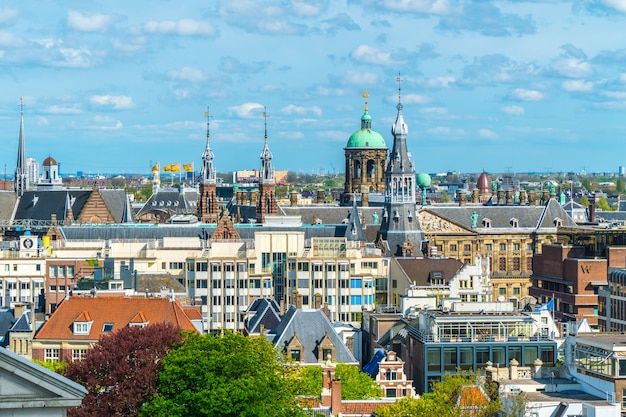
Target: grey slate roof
[172, 200]
[116, 201]
[6, 321]
[7, 205]
[23, 323]
[330, 214]
[264, 312]
[534, 217]
[40, 205]
[418, 270]
[311, 326]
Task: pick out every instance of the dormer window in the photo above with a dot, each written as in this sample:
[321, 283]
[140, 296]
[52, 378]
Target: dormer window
[396, 216]
[558, 222]
[139, 320]
[107, 328]
[82, 327]
[514, 222]
[486, 222]
[410, 217]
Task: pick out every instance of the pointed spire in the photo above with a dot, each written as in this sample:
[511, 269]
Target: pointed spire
[20, 180]
[354, 230]
[267, 171]
[399, 127]
[209, 174]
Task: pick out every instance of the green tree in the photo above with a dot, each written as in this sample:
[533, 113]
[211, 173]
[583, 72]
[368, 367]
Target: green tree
[445, 198]
[620, 185]
[224, 375]
[586, 182]
[356, 385]
[442, 401]
[603, 204]
[584, 201]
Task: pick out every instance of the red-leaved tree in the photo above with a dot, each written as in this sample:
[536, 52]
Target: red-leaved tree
[120, 371]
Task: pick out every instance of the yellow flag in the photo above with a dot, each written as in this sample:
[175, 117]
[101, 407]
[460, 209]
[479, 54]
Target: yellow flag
[188, 167]
[167, 168]
[155, 168]
[175, 167]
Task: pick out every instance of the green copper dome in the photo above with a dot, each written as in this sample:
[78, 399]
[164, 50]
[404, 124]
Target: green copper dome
[366, 137]
[423, 180]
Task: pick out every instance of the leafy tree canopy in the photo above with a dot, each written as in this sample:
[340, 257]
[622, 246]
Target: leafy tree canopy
[224, 375]
[120, 371]
[355, 385]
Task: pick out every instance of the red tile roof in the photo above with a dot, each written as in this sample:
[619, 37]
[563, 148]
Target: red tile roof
[119, 311]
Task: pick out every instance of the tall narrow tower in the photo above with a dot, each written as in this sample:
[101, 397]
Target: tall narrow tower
[400, 226]
[266, 202]
[20, 181]
[208, 206]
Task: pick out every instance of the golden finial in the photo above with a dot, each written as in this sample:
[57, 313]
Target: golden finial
[365, 95]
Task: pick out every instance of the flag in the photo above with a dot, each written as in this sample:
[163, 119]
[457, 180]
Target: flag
[188, 167]
[175, 167]
[549, 306]
[167, 168]
[155, 168]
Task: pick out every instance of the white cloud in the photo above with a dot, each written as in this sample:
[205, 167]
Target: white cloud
[8, 15]
[370, 55]
[418, 6]
[183, 27]
[75, 57]
[440, 82]
[307, 8]
[619, 5]
[577, 85]
[56, 109]
[487, 134]
[105, 123]
[619, 95]
[360, 78]
[573, 68]
[247, 110]
[439, 130]
[7, 39]
[435, 110]
[513, 110]
[293, 109]
[413, 99]
[187, 74]
[117, 102]
[527, 95]
[88, 23]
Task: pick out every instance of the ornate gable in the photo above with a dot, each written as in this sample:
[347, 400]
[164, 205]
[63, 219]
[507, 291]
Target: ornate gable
[432, 223]
[225, 229]
[95, 210]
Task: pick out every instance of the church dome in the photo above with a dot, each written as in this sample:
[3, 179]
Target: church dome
[49, 161]
[366, 137]
[483, 184]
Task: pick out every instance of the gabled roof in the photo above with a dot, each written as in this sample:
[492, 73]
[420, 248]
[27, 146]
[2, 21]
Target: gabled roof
[311, 326]
[7, 205]
[42, 204]
[117, 202]
[28, 387]
[23, 323]
[264, 312]
[419, 270]
[6, 321]
[119, 311]
[171, 200]
[354, 229]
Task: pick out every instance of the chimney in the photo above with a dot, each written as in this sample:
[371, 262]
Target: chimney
[282, 307]
[53, 219]
[532, 198]
[462, 197]
[293, 198]
[350, 344]
[522, 197]
[328, 375]
[365, 199]
[318, 301]
[299, 301]
[475, 195]
[335, 397]
[592, 208]
[18, 310]
[500, 194]
[509, 197]
[545, 196]
[320, 196]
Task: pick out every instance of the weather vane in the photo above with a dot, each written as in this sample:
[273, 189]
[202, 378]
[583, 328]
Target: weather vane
[365, 95]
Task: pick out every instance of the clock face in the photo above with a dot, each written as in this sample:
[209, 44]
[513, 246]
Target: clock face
[28, 243]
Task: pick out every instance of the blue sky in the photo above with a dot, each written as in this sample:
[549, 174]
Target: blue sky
[111, 86]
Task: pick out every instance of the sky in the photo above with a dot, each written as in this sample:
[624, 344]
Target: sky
[508, 86]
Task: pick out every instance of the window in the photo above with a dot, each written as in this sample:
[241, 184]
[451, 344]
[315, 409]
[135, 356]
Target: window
[355, 300]
[201, 283]
[390, 392]
[52, 271]
[516, 291]
[51, 355]
[502, 264]
[391, 374]
[529, 264]
[82, 327]
[176, 265]
[502, 291]
[229, 300]
[107, 327]
[38, 267]
[434, 360]
[453, 247]
[62, 270]
[303, 266]
[295, 355]
[78, 354]
[217, 300]
[488, 247]
[502, 246]
[467, 247]
[201, 267]
[516, 246]
[356, 283]
[217, 284]
[516, 264]
[70, 271]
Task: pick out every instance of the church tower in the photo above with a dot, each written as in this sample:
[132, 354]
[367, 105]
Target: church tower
[365, 155]
[266, 201]
[20, 181]
[208, 205]
[400, 226]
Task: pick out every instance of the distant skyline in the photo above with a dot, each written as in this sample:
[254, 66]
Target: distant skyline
[503, 86]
